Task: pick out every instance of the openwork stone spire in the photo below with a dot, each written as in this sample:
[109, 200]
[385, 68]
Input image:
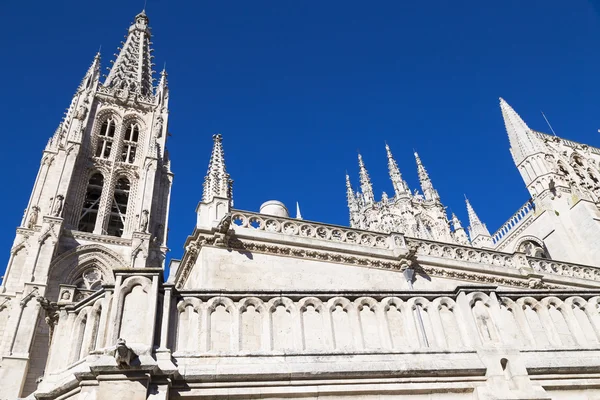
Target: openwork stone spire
[400, 186]
[217, 182]
[428, 191]
[523, 142]
[365, 182]
[476, 227]
[132, 69]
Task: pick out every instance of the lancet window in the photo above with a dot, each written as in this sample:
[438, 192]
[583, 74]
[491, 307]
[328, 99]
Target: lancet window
[105, 138]
[91, 203]
[118, 210]
[130, 142]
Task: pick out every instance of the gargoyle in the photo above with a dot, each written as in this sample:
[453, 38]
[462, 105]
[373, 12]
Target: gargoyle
[123, 354]
[223, 232]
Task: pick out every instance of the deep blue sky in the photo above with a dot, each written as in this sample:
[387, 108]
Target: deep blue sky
[296, 87]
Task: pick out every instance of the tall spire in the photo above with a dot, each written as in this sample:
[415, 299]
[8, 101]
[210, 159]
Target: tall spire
[480, 236]
[428, 191]
[132, 69]
[523, 142]
[400, 186]
[298, 213]
[365, 183]
[217, 182]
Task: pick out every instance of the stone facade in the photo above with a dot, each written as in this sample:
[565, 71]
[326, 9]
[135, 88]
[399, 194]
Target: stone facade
[400, 304]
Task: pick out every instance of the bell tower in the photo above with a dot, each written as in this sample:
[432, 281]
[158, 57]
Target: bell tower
[100, 202]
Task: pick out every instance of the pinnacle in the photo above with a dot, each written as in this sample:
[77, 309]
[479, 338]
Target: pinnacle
[476, 227]
[217, 181]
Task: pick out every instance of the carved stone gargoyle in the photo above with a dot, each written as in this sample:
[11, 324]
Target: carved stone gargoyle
[408, 260]
[123, 354]
[223, 232]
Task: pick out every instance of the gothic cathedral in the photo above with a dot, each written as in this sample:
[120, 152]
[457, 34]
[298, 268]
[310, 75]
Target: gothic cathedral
[405, 303]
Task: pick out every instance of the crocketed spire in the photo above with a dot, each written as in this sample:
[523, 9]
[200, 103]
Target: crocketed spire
[400, 186]
[132, 69]
[365, 182]
[476, 227]
[523, 142]
[428, 191]
[217, 182]
[92, 74]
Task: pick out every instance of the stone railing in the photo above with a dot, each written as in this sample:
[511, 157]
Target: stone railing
[565, 269]
[314, 230]
[326, 323]
[513, 222]
[463, 253]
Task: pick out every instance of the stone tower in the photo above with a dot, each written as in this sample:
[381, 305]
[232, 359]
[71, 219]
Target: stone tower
[561, 219]
[100, 202]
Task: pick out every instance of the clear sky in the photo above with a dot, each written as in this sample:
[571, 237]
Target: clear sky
[297, 87]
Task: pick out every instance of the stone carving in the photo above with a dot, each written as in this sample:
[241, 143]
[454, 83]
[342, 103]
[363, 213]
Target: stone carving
[144, 221]
[33, 217]
[158, 127]
[58, 205]
[123, 354]
[223, 232]
[81, 113]
[51, 317]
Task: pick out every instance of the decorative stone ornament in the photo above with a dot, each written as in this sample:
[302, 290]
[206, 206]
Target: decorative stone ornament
[123, 354]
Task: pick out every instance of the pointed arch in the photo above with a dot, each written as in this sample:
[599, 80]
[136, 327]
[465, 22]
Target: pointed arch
[70, 266]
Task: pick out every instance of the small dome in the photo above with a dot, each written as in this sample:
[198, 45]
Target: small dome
[275, 208]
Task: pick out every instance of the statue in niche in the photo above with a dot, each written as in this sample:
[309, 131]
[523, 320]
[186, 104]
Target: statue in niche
[158, 127]
[144, 221]
[33, 217]
[81, 113]
[66, 296]
[58, 205]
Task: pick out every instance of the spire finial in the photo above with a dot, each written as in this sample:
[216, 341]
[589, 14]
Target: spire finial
[298, 213]
[365, 182]
[351, 198]
[400, 186]
[476, 227]
[426, 186]
[217, 182]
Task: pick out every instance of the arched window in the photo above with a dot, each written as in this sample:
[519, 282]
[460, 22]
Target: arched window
[130, 143]
[118, 210]
[532, 249]
[89, 212]
[105, 138]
